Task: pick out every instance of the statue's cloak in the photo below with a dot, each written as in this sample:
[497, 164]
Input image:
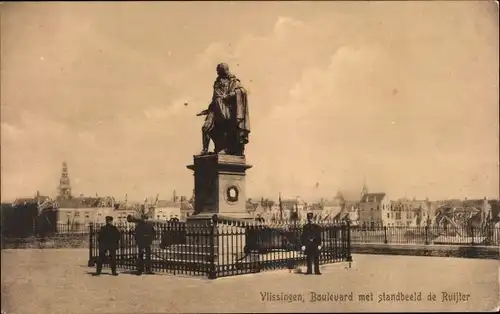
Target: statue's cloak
[240, 104]
[228, 112]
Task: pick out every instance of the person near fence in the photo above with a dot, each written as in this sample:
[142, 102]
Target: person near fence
[108, 239]
[311, 244]
[144, 236]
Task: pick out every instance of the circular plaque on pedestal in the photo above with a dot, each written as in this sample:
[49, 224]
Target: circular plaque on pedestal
[232, 194]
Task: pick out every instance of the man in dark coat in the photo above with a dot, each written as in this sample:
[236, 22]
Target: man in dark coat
[108, 239]
[144, 236]
[311, 244]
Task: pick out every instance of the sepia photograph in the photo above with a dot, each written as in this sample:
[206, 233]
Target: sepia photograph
[249, 156]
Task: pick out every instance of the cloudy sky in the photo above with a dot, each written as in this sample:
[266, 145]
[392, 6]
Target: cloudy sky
[404, 94]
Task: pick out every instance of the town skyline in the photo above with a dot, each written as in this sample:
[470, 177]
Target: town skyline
[410, 106]
[345, 194]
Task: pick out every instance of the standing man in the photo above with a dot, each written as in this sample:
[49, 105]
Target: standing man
[108, 239]
[311, 244]
[144, 236]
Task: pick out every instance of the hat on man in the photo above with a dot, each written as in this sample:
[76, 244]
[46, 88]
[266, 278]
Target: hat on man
[109, 218]
[310, 215]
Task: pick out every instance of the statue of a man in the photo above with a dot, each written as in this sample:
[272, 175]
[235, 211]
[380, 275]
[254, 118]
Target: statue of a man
[227, 121]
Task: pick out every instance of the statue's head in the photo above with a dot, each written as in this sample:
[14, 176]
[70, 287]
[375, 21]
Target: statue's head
[222, 69]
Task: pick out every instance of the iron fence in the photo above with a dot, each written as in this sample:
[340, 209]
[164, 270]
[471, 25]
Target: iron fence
[219, 249]
[452, 235]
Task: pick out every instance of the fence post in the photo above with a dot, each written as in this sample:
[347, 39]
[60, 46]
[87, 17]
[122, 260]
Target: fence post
[91, 246]
[426, 235]
[385, 234]
[472, 234]
[212, 274]
[349, 254]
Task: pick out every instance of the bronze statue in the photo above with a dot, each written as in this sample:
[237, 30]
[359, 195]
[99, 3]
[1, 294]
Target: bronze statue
[227, 121]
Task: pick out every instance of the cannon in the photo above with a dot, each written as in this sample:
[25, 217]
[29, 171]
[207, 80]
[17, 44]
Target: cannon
[172, 232]
[263, 240]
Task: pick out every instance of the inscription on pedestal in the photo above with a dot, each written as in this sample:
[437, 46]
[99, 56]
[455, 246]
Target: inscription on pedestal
[232, 194]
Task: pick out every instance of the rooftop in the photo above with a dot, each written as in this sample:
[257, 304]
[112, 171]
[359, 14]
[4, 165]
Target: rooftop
[167, 203]
[373, 197]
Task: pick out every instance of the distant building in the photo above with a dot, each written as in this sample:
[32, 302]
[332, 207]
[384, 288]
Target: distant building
[266, 204]
[350, 211]
[187, 209]
[460, 211]
[64, 184]
[290, 205]
[470, 207]
[482, 204]
[251, 207]
[82, 210]
[317, 210]
[83, 216]
[406, 212]
[495, 208]
[372, 208]
[122, 210]
[332, 209]
[165, 210]
[275, 212]
[350, 203]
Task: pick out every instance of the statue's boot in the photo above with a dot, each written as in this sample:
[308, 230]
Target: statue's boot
[206, 142]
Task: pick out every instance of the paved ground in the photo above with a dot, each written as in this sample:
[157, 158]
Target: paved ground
[56, 281]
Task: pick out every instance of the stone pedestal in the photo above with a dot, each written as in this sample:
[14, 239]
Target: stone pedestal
[219, 187]
[220, 195]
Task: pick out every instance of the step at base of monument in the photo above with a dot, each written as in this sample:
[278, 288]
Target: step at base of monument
[187, 252]
[191, 248]
[169, 259]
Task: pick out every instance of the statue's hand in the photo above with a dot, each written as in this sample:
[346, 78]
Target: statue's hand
[203, 113]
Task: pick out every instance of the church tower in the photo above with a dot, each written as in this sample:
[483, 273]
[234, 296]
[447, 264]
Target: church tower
[64, 184]
[365, 188]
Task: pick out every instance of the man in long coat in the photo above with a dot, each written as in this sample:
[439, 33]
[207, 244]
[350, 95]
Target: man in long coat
[311, 244]
[108, 239]
[145, 233]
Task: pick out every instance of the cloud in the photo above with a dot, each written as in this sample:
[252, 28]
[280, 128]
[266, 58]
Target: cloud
[309, 125]
[10, 131]
[286, 25]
